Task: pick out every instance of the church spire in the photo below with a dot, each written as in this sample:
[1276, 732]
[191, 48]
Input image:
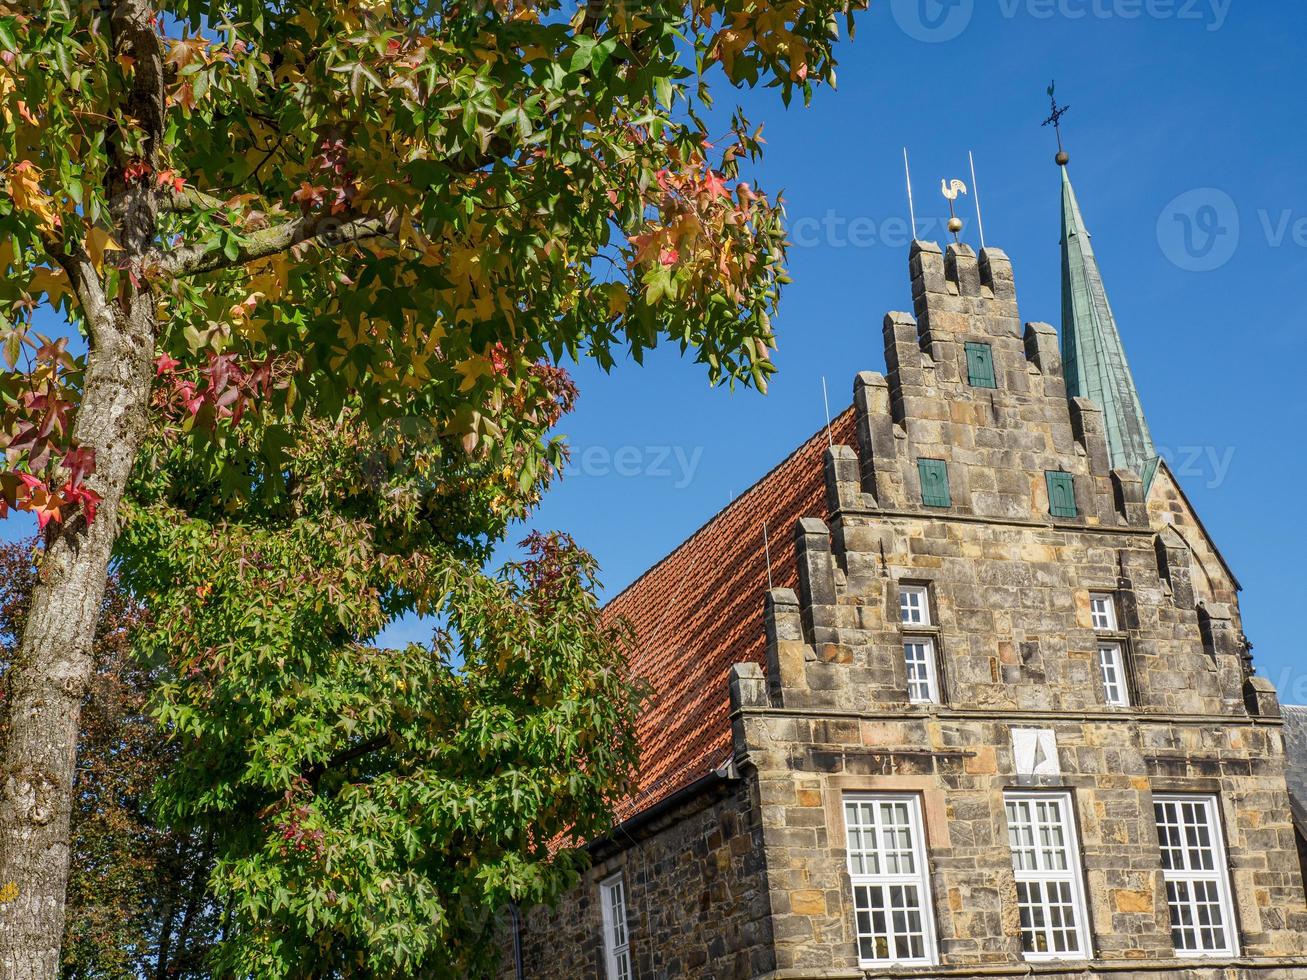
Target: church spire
[1093, 358]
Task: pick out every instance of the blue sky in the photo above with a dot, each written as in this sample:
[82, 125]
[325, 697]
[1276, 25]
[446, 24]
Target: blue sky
[1184, 114]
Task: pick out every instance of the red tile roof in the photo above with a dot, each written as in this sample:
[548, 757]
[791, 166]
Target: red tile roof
[700, 610]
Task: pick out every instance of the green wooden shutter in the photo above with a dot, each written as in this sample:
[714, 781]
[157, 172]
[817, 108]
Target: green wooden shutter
[1061, 494]
[980, 366]
[934, 483]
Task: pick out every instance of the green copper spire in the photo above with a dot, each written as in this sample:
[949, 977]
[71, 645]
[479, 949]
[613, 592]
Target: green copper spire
[1092, 356]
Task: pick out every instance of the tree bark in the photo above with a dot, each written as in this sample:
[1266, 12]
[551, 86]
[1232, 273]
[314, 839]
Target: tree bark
[52, 668]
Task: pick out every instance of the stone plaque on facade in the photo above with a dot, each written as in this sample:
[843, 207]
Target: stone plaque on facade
[1035, 752]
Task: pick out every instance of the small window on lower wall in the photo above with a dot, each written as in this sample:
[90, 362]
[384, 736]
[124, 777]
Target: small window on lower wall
[923, 672]
[1197, 876]
[617, 944]
[1111, 670]
[1050, 884]
[1061, 494]
[893, 915]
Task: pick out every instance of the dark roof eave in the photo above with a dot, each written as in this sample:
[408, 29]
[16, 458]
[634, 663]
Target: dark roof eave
[632, 826]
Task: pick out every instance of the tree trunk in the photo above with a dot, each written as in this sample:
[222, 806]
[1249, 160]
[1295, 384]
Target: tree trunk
[52, 668]
[51, 671]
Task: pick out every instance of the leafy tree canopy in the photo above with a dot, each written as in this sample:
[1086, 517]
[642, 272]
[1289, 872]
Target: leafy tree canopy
[374, 228]
[376, 810]
[403, 206]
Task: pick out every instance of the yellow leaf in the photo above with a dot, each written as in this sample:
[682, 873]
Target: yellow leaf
[618, 299]
[471, 369]
[52, 282]
[28, 195]
[99, 241]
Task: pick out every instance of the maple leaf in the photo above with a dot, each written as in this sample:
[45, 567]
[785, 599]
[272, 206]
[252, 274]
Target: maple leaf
[39, 501]
[52, 282]
[80, 463]
[75, 495]
[714, 186]
[309, 196]
[163, 364]
[28, 195]
[170, 178]
[98, 242]
[136, 171]
[188, 51]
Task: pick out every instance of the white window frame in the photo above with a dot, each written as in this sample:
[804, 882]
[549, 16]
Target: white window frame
[1102, 611]
[1069, 881]
[1112, 674]
[922, 690]
[914, 599]
[1189, 876]
[866, 845]
[617, 938]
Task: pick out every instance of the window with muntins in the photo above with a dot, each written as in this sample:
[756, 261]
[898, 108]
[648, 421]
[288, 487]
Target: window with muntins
[980, 366]
[914, 605]
[1050, 885]
[1061, 494]
[934, 483]
[617, 944]
[1111, 669]
[1197, 878]
[923, 673]
[1102, 608]
[891, 886]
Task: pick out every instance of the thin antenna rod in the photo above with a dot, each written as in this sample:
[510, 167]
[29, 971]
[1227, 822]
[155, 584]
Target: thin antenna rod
[975, 189]
[766, 546]
[825, 400]
[912, 211]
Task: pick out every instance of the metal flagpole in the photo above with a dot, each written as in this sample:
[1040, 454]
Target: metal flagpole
[975, 190]
[912, 211]
[825, 400]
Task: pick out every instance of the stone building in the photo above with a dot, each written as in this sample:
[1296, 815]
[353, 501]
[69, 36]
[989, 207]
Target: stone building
[998, 716]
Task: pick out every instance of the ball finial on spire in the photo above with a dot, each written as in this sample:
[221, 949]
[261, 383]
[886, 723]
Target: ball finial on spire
[1055, 120]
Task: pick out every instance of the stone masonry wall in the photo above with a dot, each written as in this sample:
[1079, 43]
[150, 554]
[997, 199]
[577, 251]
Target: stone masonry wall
[696, 900]
[1009, 585]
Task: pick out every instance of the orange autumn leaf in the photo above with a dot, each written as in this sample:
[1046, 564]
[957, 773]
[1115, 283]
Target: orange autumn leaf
[28, 195]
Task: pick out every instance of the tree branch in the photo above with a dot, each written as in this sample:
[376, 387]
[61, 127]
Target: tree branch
[172, 202]
[86, 284]
[315, 773]
[321, 230]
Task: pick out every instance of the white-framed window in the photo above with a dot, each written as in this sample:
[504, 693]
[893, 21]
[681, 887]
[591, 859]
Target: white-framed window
[617, 944]
[1197, 877]
[914, 605]
[1111, 669]
[1050, 885]
[923, 672]
[891, 883]
[1102, 610]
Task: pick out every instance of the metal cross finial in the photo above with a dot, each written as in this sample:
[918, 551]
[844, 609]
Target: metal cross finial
[1055, 120]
